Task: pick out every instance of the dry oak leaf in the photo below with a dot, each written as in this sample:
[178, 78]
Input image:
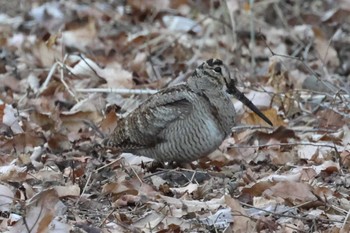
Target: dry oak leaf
[291, 191]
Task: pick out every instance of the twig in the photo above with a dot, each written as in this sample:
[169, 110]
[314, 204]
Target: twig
[64, 82]
[105, 219]
[280, 14]
[161, 51]
[295, 129]
[304, 93]
[284, 144]
[345, 222]
[48, 79]
[107, 165]
[252, 36]
[85, 187]
[95, 128]
[327, 84]
[133, 171]
[120, 91]
[287, 215]
[87, 63]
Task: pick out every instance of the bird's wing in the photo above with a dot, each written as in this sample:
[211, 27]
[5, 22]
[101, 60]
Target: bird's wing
[142, 128]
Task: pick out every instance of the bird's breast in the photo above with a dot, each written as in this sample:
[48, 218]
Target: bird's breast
[220, 108]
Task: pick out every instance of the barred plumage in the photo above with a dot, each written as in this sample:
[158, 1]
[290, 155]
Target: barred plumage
[185, 122]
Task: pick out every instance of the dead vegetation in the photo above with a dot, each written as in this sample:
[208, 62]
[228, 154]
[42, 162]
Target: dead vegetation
[70, 69]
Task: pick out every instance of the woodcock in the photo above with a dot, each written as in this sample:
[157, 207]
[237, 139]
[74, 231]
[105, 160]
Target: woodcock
[185, 122]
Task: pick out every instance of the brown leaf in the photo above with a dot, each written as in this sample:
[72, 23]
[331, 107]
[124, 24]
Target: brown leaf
[109, 123]
[80, 34]
[241, 223]
[329, 119]
[258, 188]
[58, 143]
[253, 119]
[291, 191]
[40, 211]
[345, 158]
[22, 142]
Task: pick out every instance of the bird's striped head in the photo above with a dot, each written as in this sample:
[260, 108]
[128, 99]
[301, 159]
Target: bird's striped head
[213, 76]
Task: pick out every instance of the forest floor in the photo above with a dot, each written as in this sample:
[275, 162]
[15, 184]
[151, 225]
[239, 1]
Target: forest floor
[70, 69]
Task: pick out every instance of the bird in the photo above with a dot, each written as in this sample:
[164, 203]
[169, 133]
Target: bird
[185, 122]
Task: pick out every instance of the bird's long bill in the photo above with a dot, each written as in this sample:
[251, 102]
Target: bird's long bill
[241, 97]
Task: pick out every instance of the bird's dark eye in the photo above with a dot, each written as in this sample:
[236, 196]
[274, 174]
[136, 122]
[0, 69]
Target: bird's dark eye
[217, 69]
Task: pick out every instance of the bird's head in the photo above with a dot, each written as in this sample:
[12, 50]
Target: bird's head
[213, 76]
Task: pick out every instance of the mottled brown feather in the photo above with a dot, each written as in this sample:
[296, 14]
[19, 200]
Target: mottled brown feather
[185, 122]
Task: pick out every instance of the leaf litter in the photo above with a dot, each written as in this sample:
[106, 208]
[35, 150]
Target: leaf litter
[70, 70]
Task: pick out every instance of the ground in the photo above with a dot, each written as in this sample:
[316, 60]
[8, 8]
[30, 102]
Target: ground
[70, 69]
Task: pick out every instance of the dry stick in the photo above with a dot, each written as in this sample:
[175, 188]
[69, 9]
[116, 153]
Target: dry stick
[66, 85]
[36, 220]
[85, 187]
[50, 75]
[26, 224]
[70, 72]
[48, 79]
[112, 90]
[164, 170]
[252, 36]
[328, 85]
[237, 213]
[299, 49]
[105, 219]
[341, 98]
[284, 144]
[296, 229]
[287, 215]
[141, 91]
[344, 98]
[179, 36]
[161, 171]
[345, 220]
[220, 21]
[325, 55]
[123, 165]
[154, 71]
[94, 127]
[121, 91]
[232, 23]
[152, 229]
[192, 178]
[63, 81]
[118, 222]
[22, 99]
[282, 19]
[347, 97]
[306, 50]
[133, 171]
[305, 94]
[280, 14]
[338, 209]
[153, 42]
[335, 110]
[87, 63]
[70, 91]
[295, 129]
[107, 165]
[21, 204]
[340, 161]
